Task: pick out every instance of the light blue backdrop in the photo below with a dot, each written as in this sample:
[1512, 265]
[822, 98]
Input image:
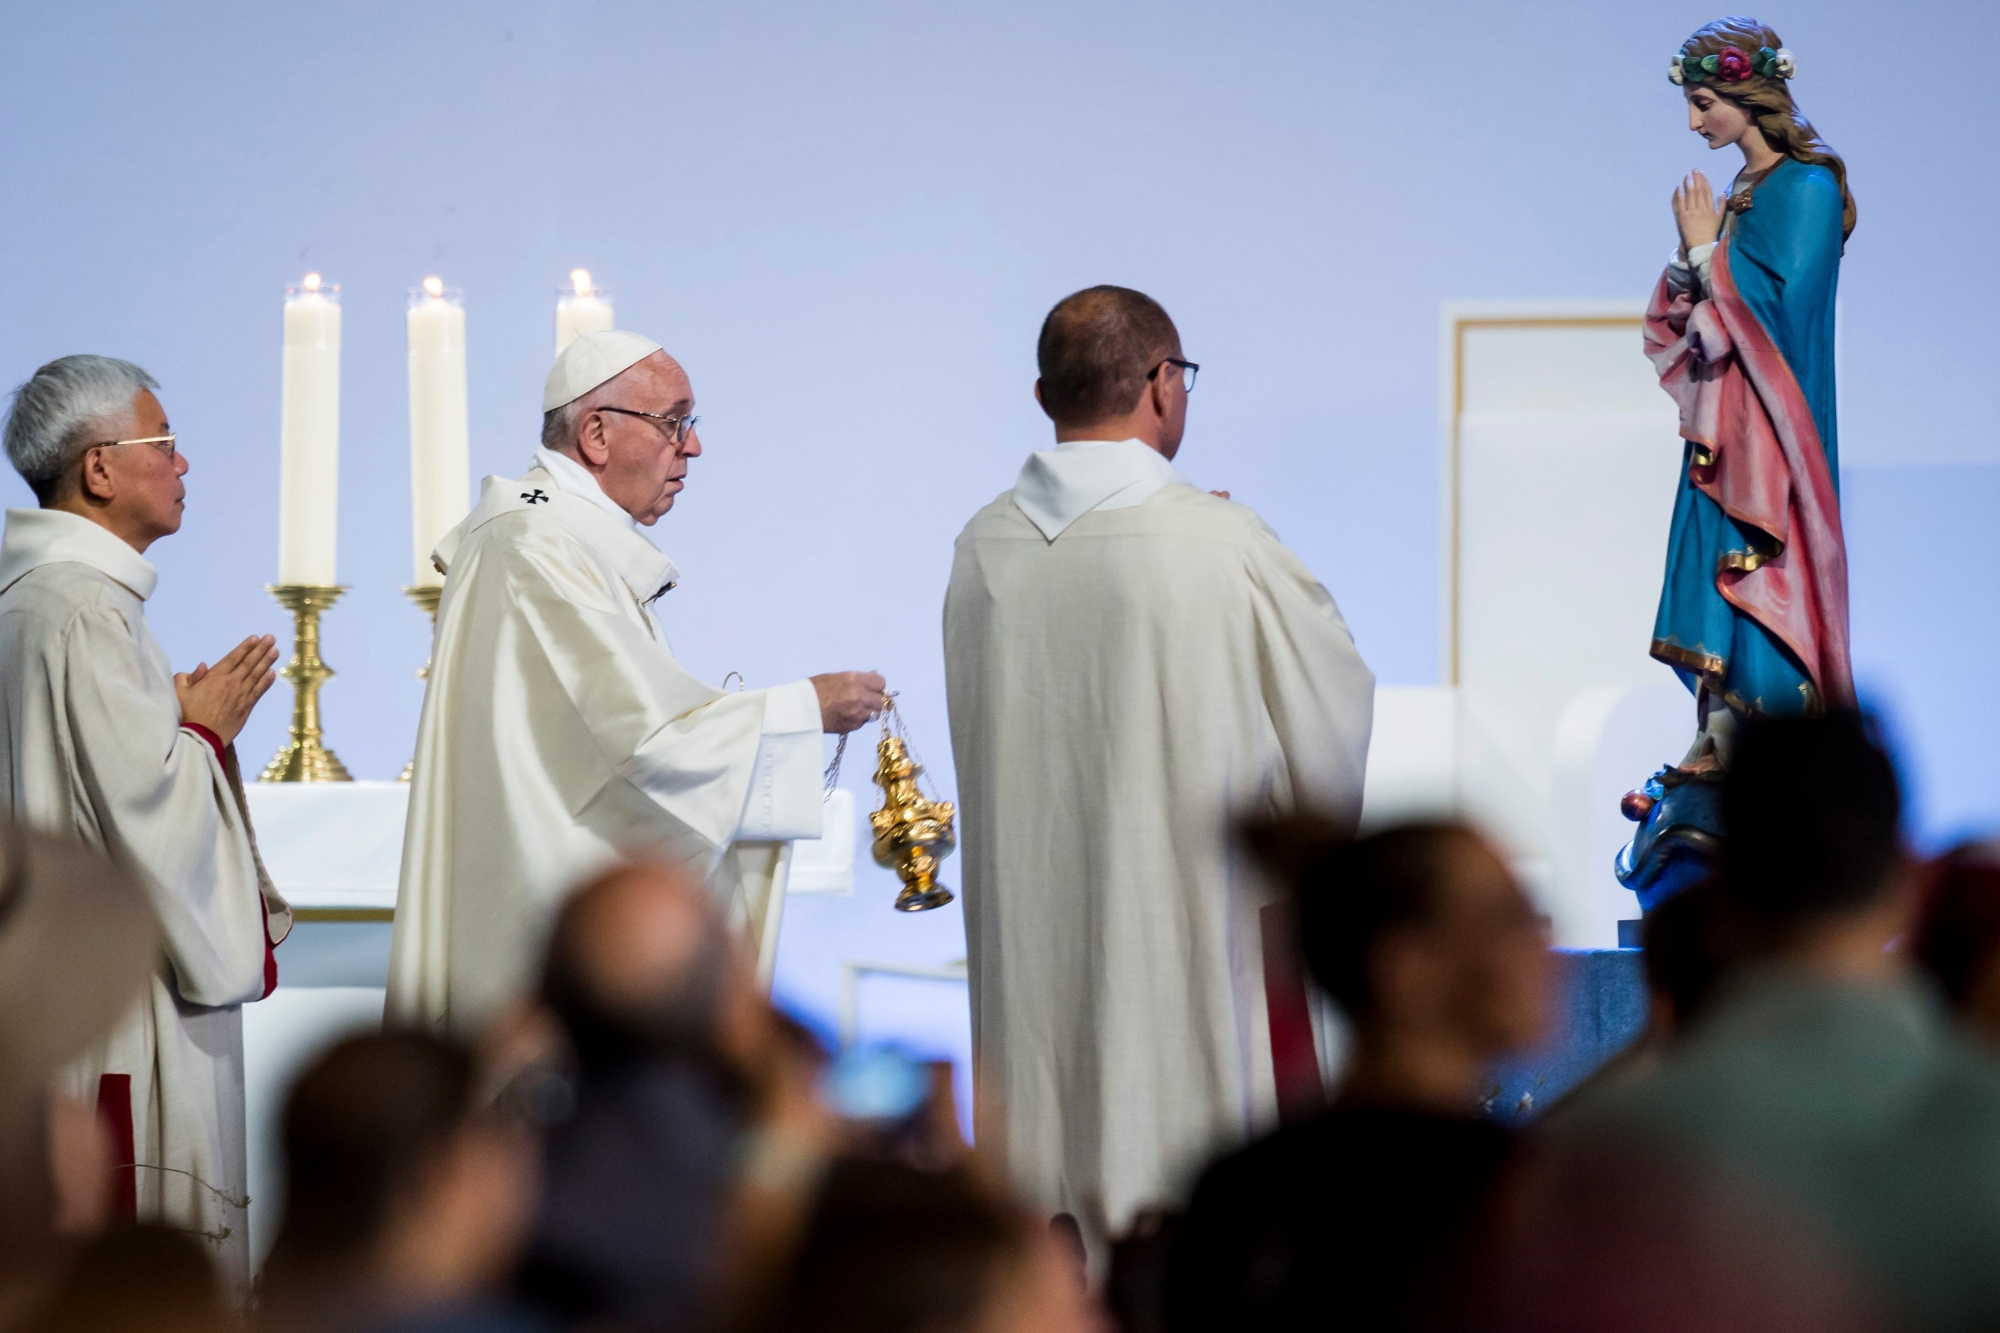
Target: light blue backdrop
[848, 221]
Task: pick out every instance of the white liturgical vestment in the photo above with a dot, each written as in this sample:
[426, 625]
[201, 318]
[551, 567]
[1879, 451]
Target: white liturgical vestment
[559, 733]
[1132, 663]
[95, 749]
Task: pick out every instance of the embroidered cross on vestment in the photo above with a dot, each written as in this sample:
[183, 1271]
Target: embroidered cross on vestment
[535, 496]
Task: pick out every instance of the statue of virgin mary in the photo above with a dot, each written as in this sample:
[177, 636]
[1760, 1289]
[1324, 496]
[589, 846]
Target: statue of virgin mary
[1753, 613]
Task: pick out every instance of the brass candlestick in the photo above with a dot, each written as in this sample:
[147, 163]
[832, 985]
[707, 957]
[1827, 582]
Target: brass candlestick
[426, 596]
[304, 758]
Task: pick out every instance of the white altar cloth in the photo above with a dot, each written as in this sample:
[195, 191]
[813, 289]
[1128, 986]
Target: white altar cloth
[338, 846]
[335, 845]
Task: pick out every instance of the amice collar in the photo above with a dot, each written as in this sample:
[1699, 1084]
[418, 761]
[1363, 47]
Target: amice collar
[1059, 486]
[37, 537]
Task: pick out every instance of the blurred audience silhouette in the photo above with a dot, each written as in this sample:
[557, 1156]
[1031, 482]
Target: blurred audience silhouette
[1957, 939]
[1821, 1147]
[1441, 965]
[689, 1131]
[890, 1247]
[79, 943]
[1806, 1135]
[407, 1197]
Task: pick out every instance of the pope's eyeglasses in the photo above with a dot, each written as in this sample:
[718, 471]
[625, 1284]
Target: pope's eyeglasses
[676, 428]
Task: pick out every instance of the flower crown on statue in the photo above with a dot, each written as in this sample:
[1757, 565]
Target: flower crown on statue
[1731, 65]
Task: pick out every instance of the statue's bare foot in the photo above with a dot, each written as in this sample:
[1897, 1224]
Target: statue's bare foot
[1707, 763]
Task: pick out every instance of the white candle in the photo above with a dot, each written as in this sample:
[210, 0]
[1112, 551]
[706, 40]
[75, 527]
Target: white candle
[581, 309]
[309, 434]
[440, 478]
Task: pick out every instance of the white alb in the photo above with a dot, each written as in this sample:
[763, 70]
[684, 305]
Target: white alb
[91, 730]
[558, 733]
[1125, 680]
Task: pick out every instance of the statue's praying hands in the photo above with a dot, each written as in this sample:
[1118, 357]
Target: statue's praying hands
[1696, 213]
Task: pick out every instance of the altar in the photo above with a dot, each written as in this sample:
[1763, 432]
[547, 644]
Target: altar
[335, 850]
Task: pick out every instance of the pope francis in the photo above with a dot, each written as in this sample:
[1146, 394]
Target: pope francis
[558, 731]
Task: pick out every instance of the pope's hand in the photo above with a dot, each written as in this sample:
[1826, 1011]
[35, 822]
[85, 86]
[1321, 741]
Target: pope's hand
[220, 697]
[847, 699]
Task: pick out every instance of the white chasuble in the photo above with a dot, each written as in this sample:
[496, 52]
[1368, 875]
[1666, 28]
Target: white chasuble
[1125, 678]
[558, 734]
[95, 749]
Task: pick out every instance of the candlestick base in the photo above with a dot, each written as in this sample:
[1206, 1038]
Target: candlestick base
[426, 596]
[305, 758]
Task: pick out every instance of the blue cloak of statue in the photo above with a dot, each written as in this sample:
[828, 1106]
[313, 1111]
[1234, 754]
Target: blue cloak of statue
[1784, 257]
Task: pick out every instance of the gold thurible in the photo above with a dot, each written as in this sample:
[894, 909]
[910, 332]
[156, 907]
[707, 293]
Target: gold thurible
[426, 596]
[912, 833]
[304, 758]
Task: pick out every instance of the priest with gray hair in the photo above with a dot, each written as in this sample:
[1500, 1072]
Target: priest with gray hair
[558, 731]
[105, 743]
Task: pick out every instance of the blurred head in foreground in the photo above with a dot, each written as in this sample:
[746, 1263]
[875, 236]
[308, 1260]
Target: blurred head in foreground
[680, 1064]
[403, 1192]
[145, 1278]
[1689, 949]
[1773, 1171]
[892, 1248]
[78, 940]
[640, 967]
[1957, 939]
[1813, 860]
[1426, 941]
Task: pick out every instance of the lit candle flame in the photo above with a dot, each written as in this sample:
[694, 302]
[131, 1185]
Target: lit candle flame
[434, 286]
[579, 278]
[312, 282]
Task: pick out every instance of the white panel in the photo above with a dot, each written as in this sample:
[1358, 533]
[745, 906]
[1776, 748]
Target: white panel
[1558, 368]
[1561, 456]
[1607, 742]
[1651, 726]
[1563, 526]
[826, 864]
[1412, 769]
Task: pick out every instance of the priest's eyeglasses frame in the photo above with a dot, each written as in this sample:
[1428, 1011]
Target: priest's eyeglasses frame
[1189, 369]
[677, 428]
[164, 443]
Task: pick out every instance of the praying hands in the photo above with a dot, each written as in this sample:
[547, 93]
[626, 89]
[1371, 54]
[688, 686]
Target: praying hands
[221, 697]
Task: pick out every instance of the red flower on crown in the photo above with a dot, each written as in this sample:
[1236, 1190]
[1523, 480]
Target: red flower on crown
[1732, 65]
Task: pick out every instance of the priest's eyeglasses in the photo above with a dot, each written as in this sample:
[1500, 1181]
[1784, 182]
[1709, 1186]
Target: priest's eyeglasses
[1189, 369]
[164, 443]
[676, 428]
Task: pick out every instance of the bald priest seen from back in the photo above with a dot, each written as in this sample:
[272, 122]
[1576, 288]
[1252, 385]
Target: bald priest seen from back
[558, 731]
[1132, 663]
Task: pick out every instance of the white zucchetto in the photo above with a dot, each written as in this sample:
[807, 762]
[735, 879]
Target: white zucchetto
[590, 360]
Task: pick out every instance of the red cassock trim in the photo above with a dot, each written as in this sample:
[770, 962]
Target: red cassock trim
[270, 952]
[114, 1112]
[214, 741]
[1294, 1058]
[1739, 400]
